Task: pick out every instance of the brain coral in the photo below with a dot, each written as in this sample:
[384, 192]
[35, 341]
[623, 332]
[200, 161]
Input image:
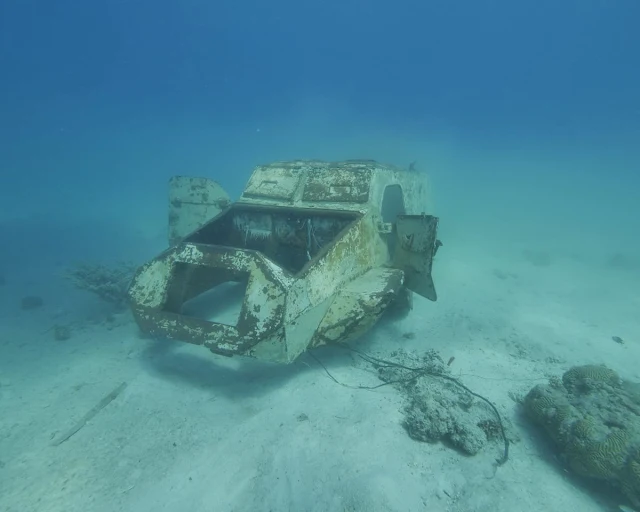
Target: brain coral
[594, 420]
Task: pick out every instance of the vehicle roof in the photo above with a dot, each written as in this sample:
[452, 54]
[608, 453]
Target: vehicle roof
[347, 185]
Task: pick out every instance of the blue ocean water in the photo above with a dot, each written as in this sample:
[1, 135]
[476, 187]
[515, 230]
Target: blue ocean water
[514, 108]
[526, 116]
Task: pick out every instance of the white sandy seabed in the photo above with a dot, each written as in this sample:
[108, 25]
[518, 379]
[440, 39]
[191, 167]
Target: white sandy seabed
[192, 431]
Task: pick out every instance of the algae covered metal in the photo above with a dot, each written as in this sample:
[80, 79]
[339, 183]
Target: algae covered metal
[312, 252]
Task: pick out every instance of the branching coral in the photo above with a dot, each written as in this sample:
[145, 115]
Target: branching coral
[109, 283]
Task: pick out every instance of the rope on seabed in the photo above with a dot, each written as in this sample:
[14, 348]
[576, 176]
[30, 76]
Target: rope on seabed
[417, 373]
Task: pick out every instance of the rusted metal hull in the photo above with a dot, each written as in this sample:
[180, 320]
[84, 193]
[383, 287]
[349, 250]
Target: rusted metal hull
[310, 247]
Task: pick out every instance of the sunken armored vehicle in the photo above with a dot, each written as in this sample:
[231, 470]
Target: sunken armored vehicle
[312, 253]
